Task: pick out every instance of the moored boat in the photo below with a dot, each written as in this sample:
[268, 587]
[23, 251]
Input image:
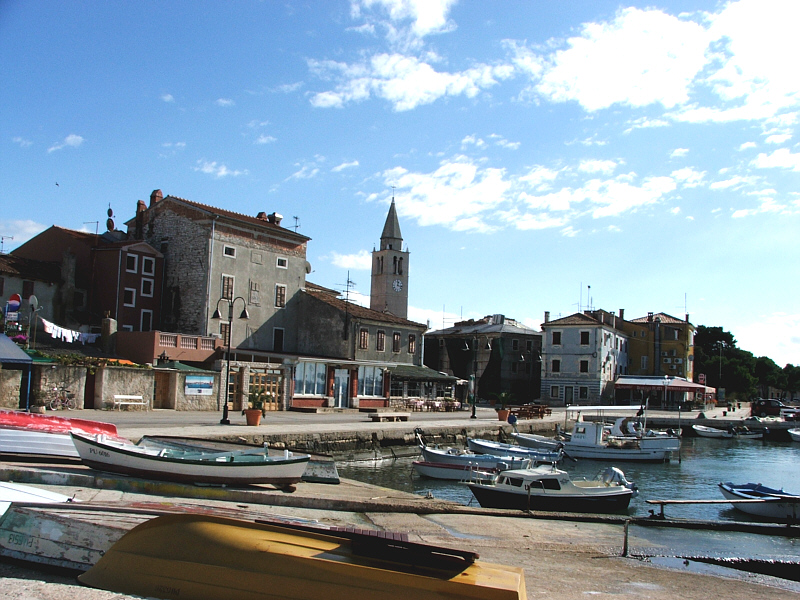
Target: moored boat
[711, 432]
[451, 472]
[625, 440]
[17, 492]
[763, 501]
[537, 442]
[794, 433]
[551, 489]
[191, 556]
[223, 468]
[467, 458]
[501, 449]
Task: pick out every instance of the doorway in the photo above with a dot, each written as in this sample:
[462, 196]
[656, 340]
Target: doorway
[341, 385]
[569, 395]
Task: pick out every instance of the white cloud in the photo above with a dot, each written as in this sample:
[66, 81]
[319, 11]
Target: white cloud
[688, 177]
[71, 141]
[265, 139]
[472, 140]
[734, 182]
[782, 158]
[305, 172]
[345, 165]
[778, 138]
[427, 16]
[679, 153]
[405, 81]
[747, 145]
[605, 167]
[642, 57]
[177, 145]
[167, 98]
[776, 335]
[361, 260]
[23, 143]
[20, 230]
[217, 170]
[224, 102]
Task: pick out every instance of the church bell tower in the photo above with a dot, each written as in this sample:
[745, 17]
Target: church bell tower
[389, 286]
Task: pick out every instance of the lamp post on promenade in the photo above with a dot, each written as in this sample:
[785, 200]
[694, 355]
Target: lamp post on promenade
[217, 315]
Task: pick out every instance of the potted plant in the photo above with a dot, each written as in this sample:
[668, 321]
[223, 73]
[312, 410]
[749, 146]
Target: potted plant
[255, 411]
[503, 399]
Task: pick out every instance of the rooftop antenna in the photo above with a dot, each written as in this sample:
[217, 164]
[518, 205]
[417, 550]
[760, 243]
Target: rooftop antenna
[347, 286]
[96, 225]
[350, 283]
[296, 223]
[589, 297]
[3, 238]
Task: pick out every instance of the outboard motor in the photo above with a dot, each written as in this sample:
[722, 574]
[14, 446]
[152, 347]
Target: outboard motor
[614, 476]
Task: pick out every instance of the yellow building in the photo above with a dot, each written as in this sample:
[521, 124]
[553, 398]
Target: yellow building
[660, 344]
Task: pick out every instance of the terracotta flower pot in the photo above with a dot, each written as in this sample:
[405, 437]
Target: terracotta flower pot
[502, 414]
[253, 416]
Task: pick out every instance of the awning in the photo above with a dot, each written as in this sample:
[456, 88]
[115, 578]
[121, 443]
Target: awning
[671, 384]
[415, 373]
[10, 353]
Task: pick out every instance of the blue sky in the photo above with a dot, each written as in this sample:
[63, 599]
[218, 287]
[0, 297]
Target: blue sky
[647, 150]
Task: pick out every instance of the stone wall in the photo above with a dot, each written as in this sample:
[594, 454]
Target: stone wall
[9, 388]
[46, 378]
[119, 380]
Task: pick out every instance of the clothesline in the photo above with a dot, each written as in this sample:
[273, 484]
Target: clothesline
[68, 335]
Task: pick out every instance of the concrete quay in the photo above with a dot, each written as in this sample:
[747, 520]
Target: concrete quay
[569, 557]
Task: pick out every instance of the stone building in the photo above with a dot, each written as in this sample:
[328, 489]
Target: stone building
[501, 354]
[389, 284]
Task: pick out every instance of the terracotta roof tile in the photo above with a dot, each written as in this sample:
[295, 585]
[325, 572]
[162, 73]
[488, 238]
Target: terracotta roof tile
[28, 268]
[359, 311]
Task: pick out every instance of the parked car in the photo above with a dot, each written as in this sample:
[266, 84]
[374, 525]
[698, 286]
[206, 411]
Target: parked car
[766, 407]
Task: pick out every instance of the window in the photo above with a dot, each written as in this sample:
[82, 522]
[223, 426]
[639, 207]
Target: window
[556, 366]
[146, 320]
[363, 339]
[227, 287]
[147, 287]
[131, 263]
[255, 293]
[643, 363]
[370, 381]
[529, 345]
[584, 338]
[78, 298]
[27, 289]
[515, 344]
[584, 366]
[129, 297]
[225, 333]
[514, 367]
[528, 367]
[127, 328]
[556, 338]
[283, 263]
[583, 392]
[380, 341]
[280, 296]
[2, 285]
[277, 339]
[554, 391]
[148, 265]
[309, 378]
[229, 251]
[396, 342]
[412, 344]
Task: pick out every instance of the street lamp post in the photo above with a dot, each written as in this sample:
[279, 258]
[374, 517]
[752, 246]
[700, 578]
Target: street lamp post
[217, 315]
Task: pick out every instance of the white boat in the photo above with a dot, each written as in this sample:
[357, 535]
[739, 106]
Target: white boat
[712, 432]
[501, 449]
[466, 458]
[224, 468]
[450, 472]
[795, 434]
[537, 442]
[16, 492]
[549, 488]
[763, 501]
[626, 439]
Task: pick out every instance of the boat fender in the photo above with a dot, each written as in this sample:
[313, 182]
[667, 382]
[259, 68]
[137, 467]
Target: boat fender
[527, 487]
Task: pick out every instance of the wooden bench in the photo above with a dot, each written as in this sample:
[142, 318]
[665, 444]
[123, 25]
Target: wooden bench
[531, 411]
[121, 400]
[388, 416]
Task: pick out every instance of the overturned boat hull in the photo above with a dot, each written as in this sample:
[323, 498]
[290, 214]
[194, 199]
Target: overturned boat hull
[199, 558]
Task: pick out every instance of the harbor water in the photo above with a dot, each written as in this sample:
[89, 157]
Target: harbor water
[695, 475]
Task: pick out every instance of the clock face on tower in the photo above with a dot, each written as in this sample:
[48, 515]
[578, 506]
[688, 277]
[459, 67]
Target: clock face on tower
[397, 285]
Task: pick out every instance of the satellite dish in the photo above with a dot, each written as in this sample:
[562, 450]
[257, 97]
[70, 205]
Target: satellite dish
[34, 302]
[110, 224]
[110, 212]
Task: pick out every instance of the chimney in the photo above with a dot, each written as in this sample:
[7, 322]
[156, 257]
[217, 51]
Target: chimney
[275, 218]
[155, 197]
[141, 206]
[498, 319]
[547, 316]
[262, 216]
[621, 314]
[687, 317]
[649, 317]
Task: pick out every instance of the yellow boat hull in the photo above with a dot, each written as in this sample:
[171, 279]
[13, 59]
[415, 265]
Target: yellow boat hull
[209, 558]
